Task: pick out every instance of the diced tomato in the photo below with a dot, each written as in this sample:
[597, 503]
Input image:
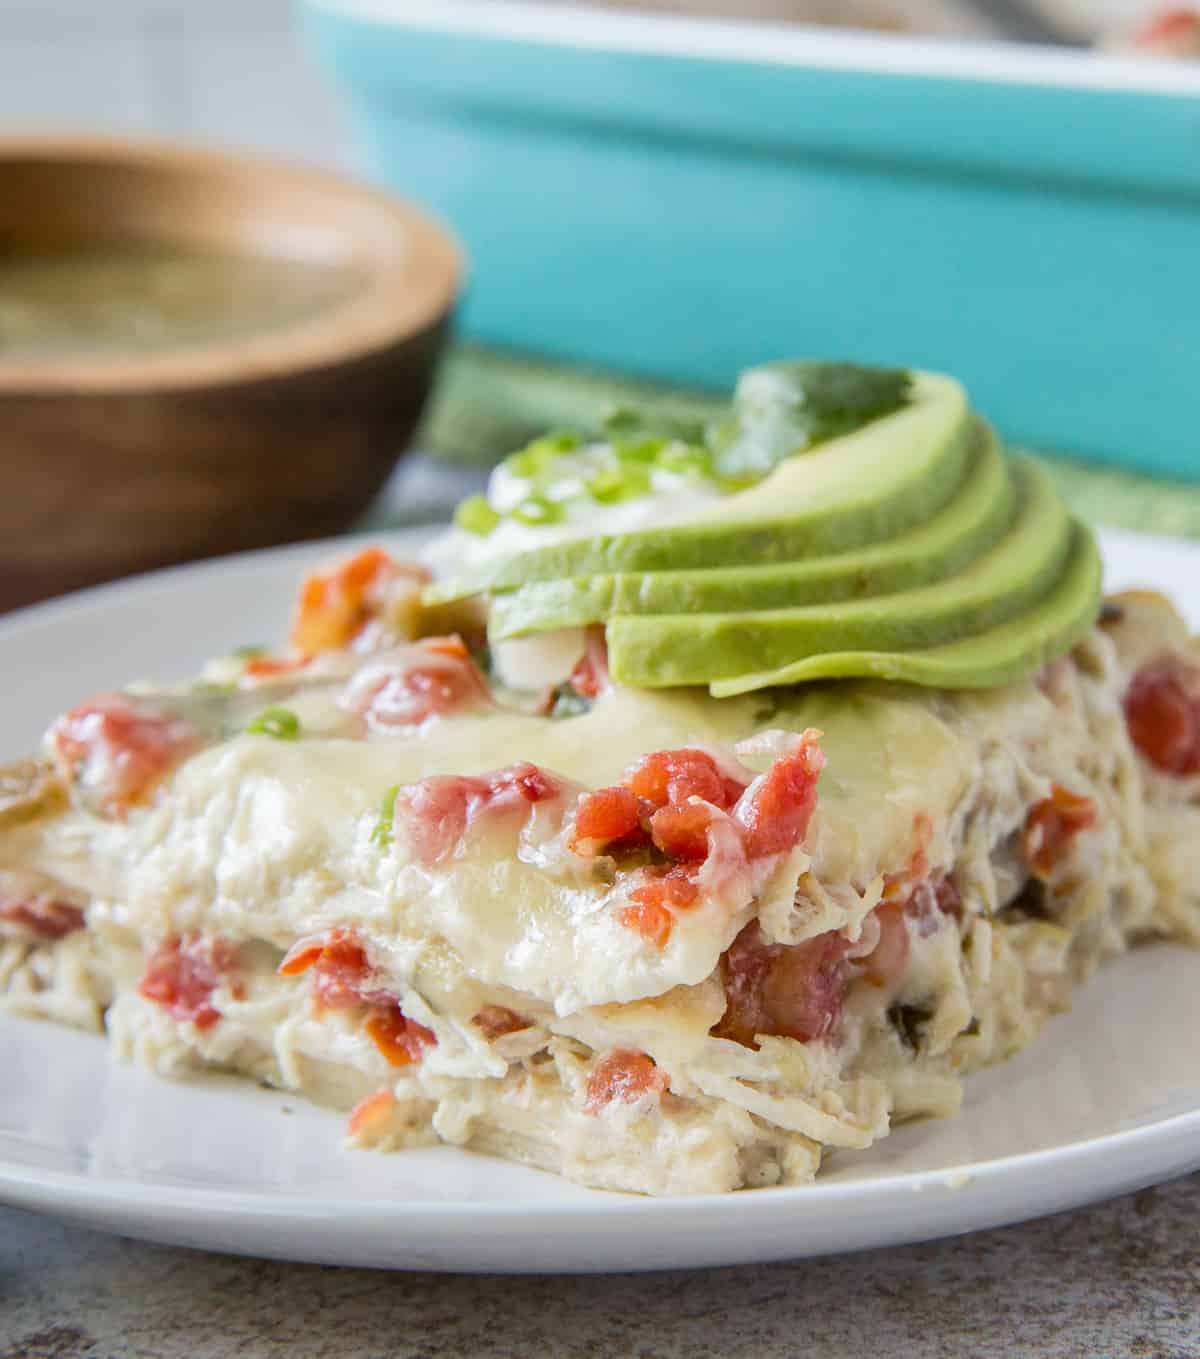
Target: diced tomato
[624, 1075]
[654, 802]
[803, 991]
[302, 955]
[914, 885]
[776, 809]
[435, 814]
[1162, 711]
[947, 897]
[590, 677]
[411, 697]
[336, 604]
[341, 972]
[674, 776]
[432, 814]
[268, 667]
[677, 803]
[787, 990]
[401, 1040]
[886, 962]
[655, 901]
[926, 900]
[371, 1115]
[1052, 825]
[649, 918]
[682, 831]
[43, 915]
[608, 819]
[525, 780]
[675, 887]
[182, 974]
[494, 1021]
[339, 965]
[118, 749]
[452, 646]
[410, 684]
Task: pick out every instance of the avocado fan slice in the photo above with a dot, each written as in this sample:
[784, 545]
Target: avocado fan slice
[662, 650]
[968, 525]
[999, 655]
[865, 487]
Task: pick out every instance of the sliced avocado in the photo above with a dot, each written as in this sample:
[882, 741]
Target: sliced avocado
[999, 655]
[1001, 583]
[971, 522]
[863, 488]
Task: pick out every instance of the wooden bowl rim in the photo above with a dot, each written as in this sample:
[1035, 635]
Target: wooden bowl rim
[404, 293]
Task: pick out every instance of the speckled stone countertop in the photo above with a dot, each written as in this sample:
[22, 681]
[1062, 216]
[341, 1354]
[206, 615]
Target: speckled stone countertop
[1119, 1279]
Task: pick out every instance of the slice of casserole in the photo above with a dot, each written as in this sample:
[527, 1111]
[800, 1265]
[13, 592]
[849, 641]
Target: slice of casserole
[647, 938]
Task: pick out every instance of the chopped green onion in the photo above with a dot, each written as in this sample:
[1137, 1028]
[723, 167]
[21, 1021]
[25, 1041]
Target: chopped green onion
[732, 485]
[248, 653]
[684, 458]
[619, 483]
[382, 834]
[476, 516]
[537, 510]
[640, 450]
[280, 723]
[535, 458]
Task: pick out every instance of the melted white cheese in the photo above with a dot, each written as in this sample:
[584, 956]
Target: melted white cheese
[273, 839]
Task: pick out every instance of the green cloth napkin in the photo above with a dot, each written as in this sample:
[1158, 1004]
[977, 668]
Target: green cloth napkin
[489, 402]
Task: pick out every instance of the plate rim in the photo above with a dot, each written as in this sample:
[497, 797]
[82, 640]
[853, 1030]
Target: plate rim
[101, 1190]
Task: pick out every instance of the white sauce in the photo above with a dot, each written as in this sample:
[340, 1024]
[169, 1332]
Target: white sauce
[673, 497]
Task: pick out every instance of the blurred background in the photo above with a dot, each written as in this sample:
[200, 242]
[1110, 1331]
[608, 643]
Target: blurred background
[235, 72]
[643, 196]
[230, 72]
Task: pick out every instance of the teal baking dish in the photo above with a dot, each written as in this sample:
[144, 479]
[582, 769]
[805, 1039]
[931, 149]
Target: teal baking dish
[682, 197]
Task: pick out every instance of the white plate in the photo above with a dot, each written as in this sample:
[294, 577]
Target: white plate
[1106, 1101]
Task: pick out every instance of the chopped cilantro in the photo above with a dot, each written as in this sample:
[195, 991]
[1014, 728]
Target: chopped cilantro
[569, 702]
[626, 427]
[382, 832]
[280, 723]
[476, 516]
[482, 656]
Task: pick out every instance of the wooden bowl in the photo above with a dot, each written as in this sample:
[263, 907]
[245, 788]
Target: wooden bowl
[119, 461]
